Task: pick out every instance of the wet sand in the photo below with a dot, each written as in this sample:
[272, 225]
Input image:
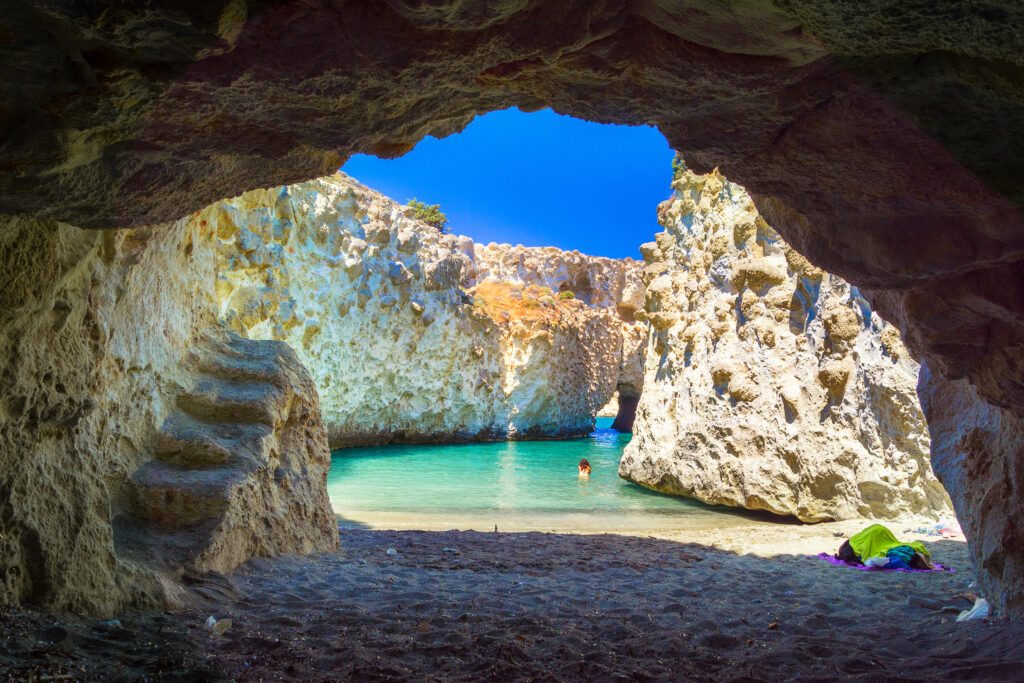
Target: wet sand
[469, 606]
[640, 522]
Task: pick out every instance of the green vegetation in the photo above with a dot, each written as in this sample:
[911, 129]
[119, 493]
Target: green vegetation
[566, 295]
[530, 303]
[429, 214]
[678, 166]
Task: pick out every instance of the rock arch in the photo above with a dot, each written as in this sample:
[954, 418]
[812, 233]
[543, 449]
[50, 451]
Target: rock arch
[883, 143]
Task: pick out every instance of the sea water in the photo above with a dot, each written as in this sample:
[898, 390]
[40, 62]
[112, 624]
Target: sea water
[514, 485]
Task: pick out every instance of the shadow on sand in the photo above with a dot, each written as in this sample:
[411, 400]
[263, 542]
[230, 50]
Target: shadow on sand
[465, 605]
[469, 606]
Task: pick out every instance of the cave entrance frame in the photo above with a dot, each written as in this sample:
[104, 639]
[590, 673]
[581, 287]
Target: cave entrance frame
[871, 139]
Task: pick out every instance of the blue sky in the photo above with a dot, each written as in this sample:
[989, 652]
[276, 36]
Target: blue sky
[537, 179]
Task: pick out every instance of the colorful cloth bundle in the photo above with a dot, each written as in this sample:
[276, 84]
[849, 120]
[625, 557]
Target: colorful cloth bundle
[876, 548]
[877, 541]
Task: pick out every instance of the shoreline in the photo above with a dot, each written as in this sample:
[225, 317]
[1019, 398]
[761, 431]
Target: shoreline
[714, 527]
[636, 522]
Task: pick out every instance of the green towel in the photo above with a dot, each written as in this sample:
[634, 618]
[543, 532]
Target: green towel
[876, 541]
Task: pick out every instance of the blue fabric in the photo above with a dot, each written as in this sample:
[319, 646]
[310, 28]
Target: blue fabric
[902, 552]
[896, 563]
[900, 557]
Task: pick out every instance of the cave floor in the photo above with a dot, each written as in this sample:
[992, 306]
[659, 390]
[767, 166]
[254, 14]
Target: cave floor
[468, 606]
[40, 646]
[539, 606]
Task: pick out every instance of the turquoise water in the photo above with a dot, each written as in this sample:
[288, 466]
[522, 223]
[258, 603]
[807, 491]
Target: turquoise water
[516, 485]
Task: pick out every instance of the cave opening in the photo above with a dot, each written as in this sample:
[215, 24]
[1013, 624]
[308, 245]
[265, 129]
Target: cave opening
[540, 179]
[880, 143]
[537, 179]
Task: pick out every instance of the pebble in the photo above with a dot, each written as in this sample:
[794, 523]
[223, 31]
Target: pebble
[218, 626]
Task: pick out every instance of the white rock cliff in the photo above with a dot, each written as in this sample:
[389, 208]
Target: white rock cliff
[770, 384]
[412, 335]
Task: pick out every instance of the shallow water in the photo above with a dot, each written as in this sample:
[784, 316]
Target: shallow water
[516, 485]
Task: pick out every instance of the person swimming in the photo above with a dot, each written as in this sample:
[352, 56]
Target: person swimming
[584, 467]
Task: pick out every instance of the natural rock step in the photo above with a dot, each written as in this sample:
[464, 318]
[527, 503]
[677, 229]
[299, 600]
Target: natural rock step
[179, 498]
[225, 400]
[244, 360]
[188, 442]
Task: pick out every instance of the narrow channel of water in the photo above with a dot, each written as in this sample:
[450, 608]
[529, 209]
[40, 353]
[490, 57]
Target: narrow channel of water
[516, 485]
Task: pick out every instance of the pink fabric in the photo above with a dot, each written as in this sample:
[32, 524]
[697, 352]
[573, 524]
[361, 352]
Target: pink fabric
[840, 563]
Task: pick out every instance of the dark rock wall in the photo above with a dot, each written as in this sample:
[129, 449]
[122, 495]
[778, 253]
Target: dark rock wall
[626, 416]
[976, 451]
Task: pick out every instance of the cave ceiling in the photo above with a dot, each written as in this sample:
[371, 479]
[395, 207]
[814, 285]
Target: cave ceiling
[882, 138]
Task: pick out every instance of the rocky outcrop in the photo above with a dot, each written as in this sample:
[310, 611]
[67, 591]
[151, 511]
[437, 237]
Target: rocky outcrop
[874, 138]
[240, 468]
[96, 334]
[770, 384]
[613, 285]
[599, 282]
[412, 335]
[974, 447]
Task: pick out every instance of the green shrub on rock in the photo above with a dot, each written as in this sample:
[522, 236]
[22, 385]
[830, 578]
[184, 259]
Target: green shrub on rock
[428, 213]
[678, 166]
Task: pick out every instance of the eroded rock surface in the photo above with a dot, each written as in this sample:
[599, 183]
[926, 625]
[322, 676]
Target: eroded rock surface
[770, 384]
[974, 447]
[97, 331]
[412, 335]
[240, 468]
[613, 285]
[881, 140]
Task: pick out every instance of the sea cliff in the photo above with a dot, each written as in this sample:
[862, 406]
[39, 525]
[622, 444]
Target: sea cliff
[412, 335]
[770, 384]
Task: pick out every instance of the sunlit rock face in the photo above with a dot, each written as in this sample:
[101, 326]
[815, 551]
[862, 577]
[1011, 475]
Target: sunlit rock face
[880, 140]
[598, 282]
[612, 285]
[413, 335]
[115, 473]
[770, 384]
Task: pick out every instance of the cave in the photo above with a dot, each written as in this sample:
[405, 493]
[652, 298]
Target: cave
[882, 142]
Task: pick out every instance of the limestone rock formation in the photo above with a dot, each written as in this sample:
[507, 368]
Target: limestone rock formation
[974, 452]
[613, 285]
[597, 281]
[881, 140]
[240, 468]
[412, 335]
[96, 332]
[770, 384]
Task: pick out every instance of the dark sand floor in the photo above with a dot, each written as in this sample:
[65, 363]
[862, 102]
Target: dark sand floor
[144, 646]
[548, 607]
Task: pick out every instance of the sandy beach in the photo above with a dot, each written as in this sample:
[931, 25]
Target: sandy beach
[743, 603]
[737, 603]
